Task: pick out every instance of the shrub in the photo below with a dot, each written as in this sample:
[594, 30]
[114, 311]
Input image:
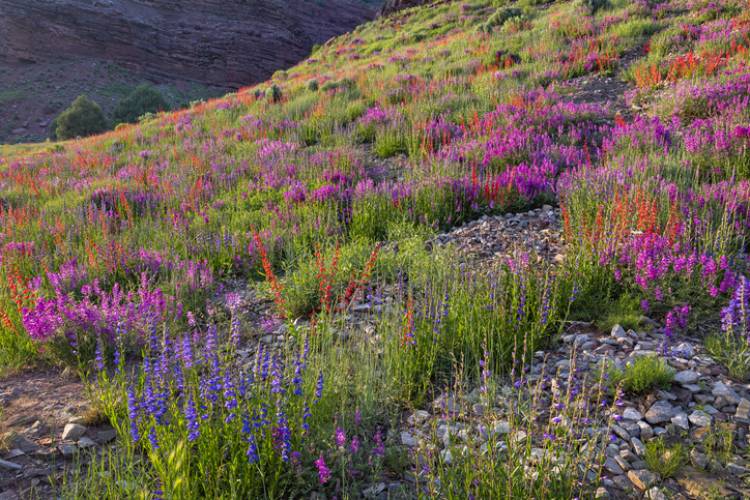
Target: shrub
[499, 18]
[642, 375]
[663, 459]
[144, 99]
[84, 117]
[594, 6]
[313, 85]
[274, 93]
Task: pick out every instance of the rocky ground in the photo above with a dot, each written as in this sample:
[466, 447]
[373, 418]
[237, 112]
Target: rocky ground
[490, 240]
[45, 418]
[701, 401]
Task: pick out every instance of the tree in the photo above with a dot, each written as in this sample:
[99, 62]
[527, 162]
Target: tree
[83, 117]
[144, 99]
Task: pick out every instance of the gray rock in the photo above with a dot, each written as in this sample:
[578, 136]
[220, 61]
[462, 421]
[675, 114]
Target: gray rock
[681, 420]
[710, 409]
[638, 447]
[698, 459]
[86, 442]
[736, 469]
[501, 427]
[408, 440]
[743, 410]
[601, 493]
[72, 432]
[621, 460]
[613, 467]
[655, 493]
[418, 417]
[687, 377]
[4, 464]
[660, 412]
[621, 433]
[720, 389]
[618, 332]
[642, 479]
[67, 450]
[107, 436]
[700, 418]
[374, 490]
[36, 430]
[646, 431]
[685, 349]
[14, 453]
[632, 414]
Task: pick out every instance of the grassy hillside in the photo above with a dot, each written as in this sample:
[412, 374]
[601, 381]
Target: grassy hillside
[319, 191]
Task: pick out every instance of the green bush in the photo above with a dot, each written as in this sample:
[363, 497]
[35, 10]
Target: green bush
[594, 6]
[144, 99]
[663, 459]
[499, 18]
[84, 117]
[273, 94]
[642, 375]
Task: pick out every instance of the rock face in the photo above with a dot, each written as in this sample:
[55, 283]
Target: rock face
[220, 42]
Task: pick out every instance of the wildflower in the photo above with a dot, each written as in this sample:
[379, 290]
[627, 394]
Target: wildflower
[186, 353]
[305, 416]
[324, 473]
[379, 449]
[99, 356]
[282, 434]
[252, 449]
[340, 437]
[354, 445]
[191, 415]
[153, 438]
[133, 414]
[319, 387]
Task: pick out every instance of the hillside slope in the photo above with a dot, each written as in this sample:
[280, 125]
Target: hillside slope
[472, 249]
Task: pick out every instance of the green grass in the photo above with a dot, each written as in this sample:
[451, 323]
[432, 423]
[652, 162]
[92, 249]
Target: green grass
[664, 459]
[732, 352]
[642, 375]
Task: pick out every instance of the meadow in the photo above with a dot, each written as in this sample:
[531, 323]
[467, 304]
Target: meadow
[129, 257]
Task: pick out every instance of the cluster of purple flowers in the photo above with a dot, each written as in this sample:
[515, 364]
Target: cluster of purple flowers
[179, 394]
[98, 313]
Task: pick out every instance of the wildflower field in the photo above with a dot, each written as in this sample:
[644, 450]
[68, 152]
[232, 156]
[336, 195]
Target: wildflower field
[256, 297]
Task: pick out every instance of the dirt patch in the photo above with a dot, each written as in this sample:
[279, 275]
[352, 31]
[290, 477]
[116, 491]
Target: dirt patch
[37, 409]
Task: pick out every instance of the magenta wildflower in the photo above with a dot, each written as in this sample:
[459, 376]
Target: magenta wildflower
[324, 473]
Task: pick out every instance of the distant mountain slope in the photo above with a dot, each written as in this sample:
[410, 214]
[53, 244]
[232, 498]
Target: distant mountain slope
[53, 50]
[227, 43]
